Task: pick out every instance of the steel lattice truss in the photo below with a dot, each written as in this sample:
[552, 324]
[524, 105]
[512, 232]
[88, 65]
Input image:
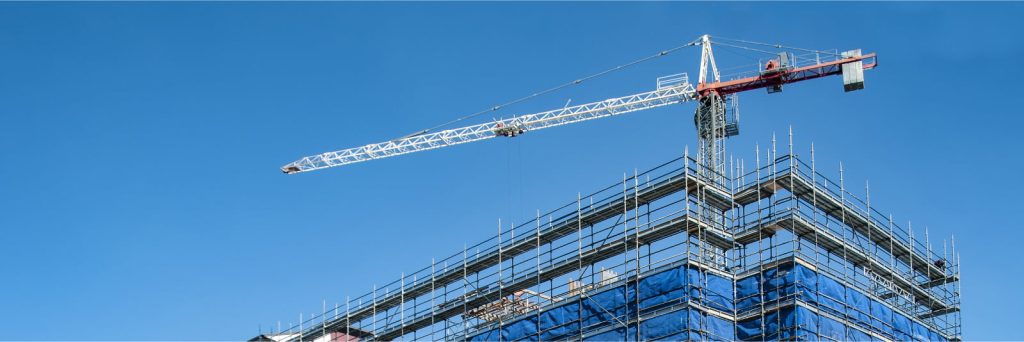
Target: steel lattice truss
[679, 91]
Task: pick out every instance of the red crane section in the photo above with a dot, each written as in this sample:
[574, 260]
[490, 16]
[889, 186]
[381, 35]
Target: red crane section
[776, 74]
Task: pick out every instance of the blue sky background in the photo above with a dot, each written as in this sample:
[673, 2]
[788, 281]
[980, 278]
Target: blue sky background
[140, 142]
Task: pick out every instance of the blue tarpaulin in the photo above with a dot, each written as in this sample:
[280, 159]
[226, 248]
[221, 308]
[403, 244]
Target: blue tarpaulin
[831, 295]
[599, 315]
[881, 318]
[920, 332]
[720, 329]
[855, 335]
[615, 334]
[667, 286]
[670, 324]
[901, 327]
[831, 329]
[749, 329]
[858, 307]
[606, 306]
[792, 323]
[560, 321]
[778, 282]
[521, 330]
[719, 292]
[748, 292]
[786, 280]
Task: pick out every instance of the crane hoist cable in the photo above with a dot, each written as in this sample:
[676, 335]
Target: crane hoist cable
[742, 47]
[556, 88]
[777, 46]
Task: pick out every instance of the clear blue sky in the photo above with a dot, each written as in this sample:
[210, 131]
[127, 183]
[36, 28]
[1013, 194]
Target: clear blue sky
[141, 143]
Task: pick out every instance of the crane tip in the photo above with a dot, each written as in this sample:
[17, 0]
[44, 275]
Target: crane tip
[290, 169]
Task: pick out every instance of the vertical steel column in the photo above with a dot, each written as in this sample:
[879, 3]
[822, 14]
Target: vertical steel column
[814, 222]
[867, 216]
[465, 284]
[537, 273]
[501, 286]
[842, 204]
[760, 240]
[433, 296]
[912, 273]
[401, 306]
[774, 167]
[927, 253]
[579, 261]
[892, 258]
[348, 323]
[795, 210]
[636, 241]
[374, 309]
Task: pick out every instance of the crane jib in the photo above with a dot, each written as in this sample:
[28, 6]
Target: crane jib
[679, 93]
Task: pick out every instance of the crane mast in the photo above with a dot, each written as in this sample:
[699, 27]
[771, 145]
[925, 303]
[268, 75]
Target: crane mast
[710, 119]
[716, 117]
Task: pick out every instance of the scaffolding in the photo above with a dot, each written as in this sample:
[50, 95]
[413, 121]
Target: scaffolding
[677, 252]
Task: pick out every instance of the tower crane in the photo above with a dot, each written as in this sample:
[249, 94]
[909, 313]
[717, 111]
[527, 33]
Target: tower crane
[716, 117]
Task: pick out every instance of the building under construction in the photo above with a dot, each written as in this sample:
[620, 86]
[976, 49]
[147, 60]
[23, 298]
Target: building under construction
[775, 252]
[699, 248]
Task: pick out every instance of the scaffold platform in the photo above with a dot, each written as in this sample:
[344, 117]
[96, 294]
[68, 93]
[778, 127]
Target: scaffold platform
[777, 252]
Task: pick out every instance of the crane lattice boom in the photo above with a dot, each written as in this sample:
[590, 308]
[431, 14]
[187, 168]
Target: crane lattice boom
[679, 90]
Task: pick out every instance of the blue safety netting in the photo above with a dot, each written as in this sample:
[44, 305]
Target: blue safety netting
[599, 315]
[797, 323]
[831, 295]
[748, 292]
[788, 280]
[606, 306]
[719, 293]
[902, 327]
[749, 329]
[615, 334]
[720, 329]
[661, 299]
[675, 326]
[845, 313]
